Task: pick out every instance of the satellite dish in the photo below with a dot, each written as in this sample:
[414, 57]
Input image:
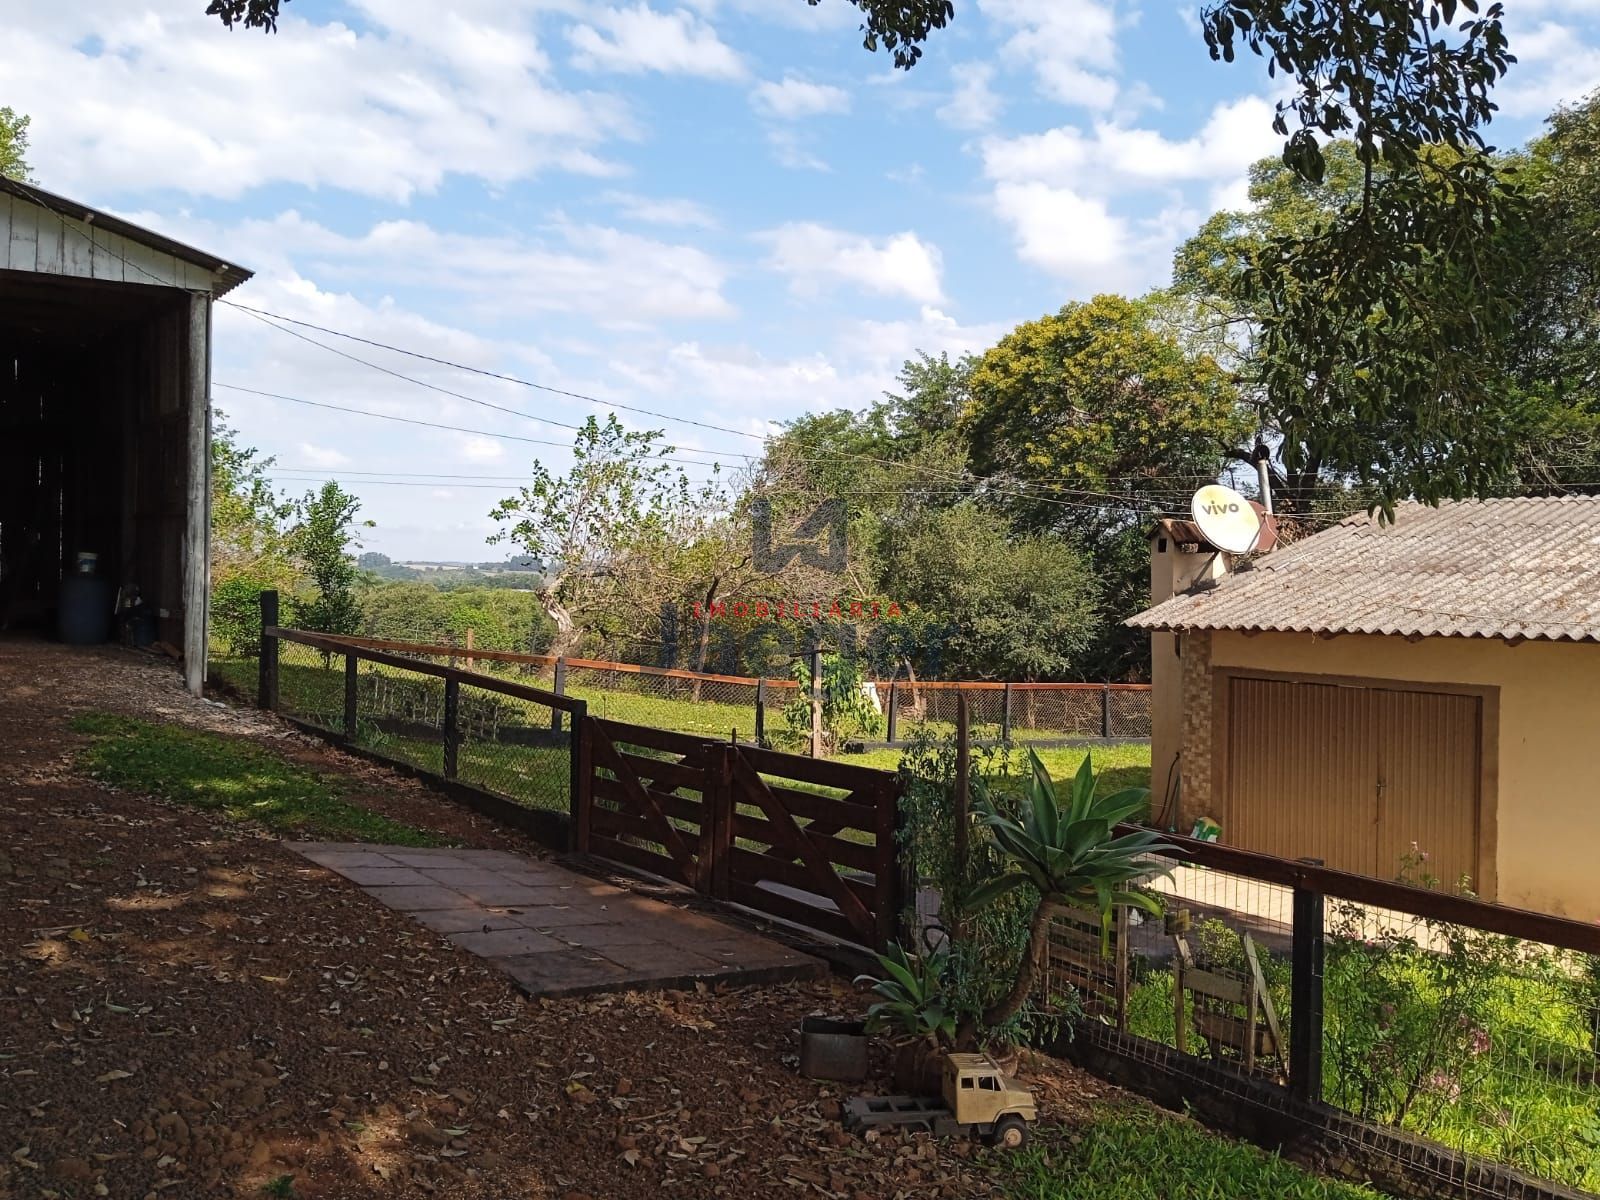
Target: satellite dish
[1229, 521]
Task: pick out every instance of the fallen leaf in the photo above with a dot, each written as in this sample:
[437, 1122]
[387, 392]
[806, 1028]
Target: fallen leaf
[110, 1076]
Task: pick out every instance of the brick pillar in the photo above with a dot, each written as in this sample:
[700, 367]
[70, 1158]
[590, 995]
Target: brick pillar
[1195, 798]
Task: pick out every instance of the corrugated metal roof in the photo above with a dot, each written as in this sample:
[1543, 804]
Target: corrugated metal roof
[228, 275]
[1512, 568]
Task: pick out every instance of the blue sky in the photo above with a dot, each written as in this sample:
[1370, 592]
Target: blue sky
[723, 210]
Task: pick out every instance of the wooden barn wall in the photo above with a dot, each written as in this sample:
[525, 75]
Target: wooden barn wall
[94, 456]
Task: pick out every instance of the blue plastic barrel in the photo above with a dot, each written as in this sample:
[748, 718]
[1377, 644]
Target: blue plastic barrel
[84, 614]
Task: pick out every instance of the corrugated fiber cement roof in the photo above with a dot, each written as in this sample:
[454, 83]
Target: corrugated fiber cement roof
[1512, 568]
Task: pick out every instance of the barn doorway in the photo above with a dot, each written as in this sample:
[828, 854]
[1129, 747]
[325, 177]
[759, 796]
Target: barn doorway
[1365, 777]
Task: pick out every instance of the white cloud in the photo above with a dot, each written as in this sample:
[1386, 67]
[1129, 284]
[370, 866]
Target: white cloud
[1555, 65]
[1235, 135]
[1070, 44]
[639, 39]
[1079, 238]
[322, 456]
[974, 104]
[814, 256]
[788, 151]
[480, 449]
[794, 98]
[661, 210]
[160, 95]
[612, 276]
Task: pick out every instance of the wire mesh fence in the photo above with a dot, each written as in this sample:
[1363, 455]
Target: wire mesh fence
[1439, 1031]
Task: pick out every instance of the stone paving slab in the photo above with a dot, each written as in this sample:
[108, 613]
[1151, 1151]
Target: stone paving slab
[554, 931]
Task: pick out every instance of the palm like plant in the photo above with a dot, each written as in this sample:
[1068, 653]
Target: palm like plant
[1071, 856]
[912, 990]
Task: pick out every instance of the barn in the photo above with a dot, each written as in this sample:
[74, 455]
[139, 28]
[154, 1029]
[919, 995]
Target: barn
[105, 365]
[1418, 698]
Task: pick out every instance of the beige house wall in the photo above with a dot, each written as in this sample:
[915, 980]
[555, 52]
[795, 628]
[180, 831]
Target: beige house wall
[1541, 808]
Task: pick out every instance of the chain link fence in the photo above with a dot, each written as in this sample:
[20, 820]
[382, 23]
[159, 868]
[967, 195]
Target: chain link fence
[1430, 1031]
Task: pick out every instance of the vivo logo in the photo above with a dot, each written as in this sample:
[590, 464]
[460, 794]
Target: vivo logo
[1217, 508]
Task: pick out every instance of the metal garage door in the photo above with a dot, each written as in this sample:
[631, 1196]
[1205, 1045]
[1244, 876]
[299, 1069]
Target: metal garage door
[1354, 775]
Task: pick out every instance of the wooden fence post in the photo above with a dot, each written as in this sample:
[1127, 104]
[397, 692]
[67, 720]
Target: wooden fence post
[890, 896]
[1105, 710]
[352, 682]
[716, 855]
[816, 701]
[267, 678]
[1005, 712]
[469, 648]
[452, 730]
[962, 809]
[1306, 999]
[561, 690]
[579, 780]
[894, 698]
[761, 711]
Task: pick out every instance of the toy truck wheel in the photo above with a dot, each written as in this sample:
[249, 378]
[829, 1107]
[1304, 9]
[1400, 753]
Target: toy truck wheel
[1010, 1133]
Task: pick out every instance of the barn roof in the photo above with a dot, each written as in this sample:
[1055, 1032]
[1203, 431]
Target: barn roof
[223, 276]
[1523, 568]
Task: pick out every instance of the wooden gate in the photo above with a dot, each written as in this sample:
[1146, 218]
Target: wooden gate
[808, 841]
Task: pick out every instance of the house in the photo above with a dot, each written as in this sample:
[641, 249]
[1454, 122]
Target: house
[105, 364]
[1377, 693]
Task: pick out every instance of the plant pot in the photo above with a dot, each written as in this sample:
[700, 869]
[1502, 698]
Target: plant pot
[833, 1049]
[917, 1068]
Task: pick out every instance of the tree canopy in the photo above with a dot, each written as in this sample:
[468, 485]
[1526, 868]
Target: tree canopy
[13, 144]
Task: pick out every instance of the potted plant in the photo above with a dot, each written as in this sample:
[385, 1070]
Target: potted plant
[913, 1011]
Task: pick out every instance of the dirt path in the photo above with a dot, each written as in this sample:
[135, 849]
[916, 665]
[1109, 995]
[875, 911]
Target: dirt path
[188, 1009]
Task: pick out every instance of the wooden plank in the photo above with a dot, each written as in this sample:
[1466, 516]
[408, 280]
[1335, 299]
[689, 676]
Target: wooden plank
[821, 771]
[809, 916]
[6, 201]
[50, 250]
[1218, 987]
[1381, 893]
[655, 739]
[627, 853]
[196, 565]
[849, 813]
[24, 239]
[79, 249]
[665, 775]
[685, 809]
[746, 866]
[642, 802]
[750, 786]
[108, 256]
[855, 855]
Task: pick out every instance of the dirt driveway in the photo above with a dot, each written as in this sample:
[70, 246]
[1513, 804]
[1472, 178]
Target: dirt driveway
[188, 1009]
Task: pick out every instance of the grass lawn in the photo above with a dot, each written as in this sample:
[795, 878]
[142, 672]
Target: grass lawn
[1130, 1153]
[248, 782]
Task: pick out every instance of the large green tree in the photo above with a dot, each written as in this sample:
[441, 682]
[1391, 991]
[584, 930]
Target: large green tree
[1097, 404]
[13, 144]
[324, 537]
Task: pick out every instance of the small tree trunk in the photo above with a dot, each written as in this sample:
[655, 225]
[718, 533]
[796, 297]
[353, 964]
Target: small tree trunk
[1027, 972]
[566, 628]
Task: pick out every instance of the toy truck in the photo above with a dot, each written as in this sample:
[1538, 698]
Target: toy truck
[979, 1100]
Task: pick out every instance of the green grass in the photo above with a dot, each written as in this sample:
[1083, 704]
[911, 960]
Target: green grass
[1137, 1154]
[1119, 766]
[245, 781]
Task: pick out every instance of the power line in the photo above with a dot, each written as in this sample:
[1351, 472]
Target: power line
[362, 412]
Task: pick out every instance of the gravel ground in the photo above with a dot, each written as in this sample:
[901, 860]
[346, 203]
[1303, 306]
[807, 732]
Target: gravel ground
[188, 1009]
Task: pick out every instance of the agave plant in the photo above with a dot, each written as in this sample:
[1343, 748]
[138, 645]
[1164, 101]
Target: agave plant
[1070, 855]
[914, 995]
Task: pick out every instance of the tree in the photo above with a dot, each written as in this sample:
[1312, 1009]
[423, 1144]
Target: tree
[247, 516]
[323, 537]
[1012, 606]
[1382, 328]
[1097, 401]
[13, 144]
[618, 497]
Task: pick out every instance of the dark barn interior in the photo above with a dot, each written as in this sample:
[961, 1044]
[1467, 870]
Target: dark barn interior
[104, 448]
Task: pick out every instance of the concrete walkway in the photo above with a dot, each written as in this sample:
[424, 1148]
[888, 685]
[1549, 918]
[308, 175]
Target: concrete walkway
[558, 933]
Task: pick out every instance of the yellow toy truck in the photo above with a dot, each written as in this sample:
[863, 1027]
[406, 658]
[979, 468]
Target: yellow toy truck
[979, 1100]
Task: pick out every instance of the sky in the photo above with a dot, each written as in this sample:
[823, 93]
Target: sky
[725, 212]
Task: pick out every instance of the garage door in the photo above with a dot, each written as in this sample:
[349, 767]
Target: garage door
[1355, 776]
